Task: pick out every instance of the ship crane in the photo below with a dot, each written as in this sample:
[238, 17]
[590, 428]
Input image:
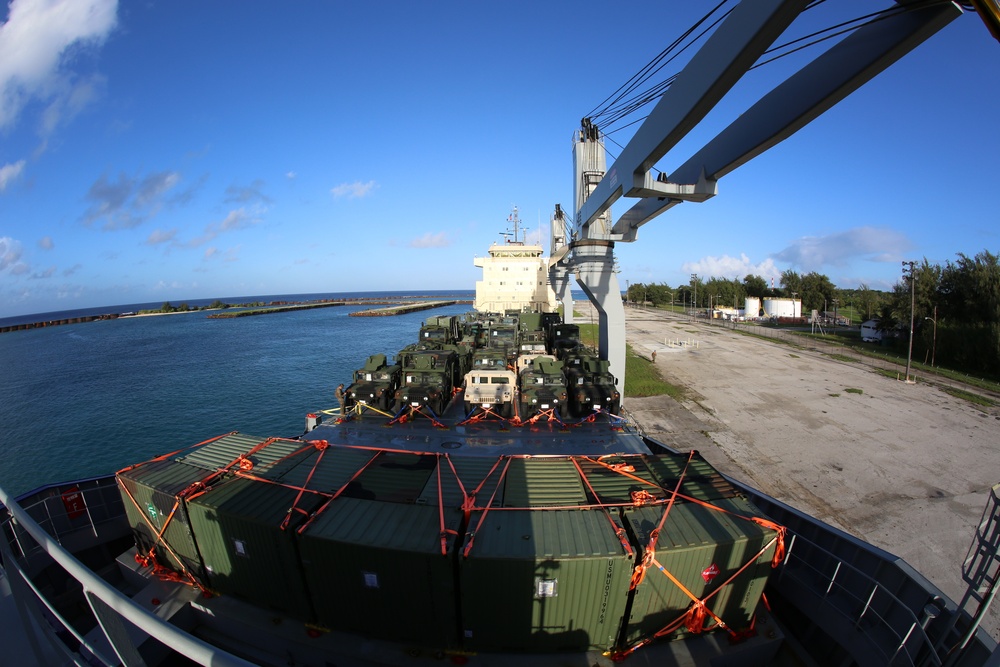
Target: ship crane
[584, 248]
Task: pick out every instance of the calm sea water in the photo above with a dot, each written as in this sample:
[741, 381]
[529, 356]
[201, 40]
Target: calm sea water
[89, 399]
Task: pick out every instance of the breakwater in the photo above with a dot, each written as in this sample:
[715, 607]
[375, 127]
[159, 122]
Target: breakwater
[275, 309]
[223, 310]
[404, 308]
[55, 323]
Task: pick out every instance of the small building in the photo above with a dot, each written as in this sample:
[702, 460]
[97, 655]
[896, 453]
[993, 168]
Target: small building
[870, 331]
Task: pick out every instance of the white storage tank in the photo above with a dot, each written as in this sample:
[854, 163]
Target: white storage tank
[751, 308]
[775, 307]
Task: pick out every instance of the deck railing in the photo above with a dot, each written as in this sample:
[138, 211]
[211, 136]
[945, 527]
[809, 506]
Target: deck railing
[42, 622]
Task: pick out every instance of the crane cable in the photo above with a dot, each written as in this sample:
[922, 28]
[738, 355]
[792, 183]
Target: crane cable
[615, 108]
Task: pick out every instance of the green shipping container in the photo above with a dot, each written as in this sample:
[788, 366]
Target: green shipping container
[159, 518]
[702, 548]
[377, 568]
[246, 554]
[229, 448]
[544, 580]
[239, 526]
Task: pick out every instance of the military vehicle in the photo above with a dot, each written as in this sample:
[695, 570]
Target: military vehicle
[563, 338]
[591, 386]
[429, 378]
[375, 384]
[543, 387]
[528, 353]
[486, 388]
[440, 330]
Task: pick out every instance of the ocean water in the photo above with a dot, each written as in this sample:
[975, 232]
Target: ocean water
[89, 399]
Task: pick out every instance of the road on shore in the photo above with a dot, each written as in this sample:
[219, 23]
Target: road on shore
[906, 467]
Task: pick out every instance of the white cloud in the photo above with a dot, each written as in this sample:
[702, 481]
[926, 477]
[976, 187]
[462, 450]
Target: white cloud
[158, 236]
[732, 267]
[353, 190]
[235, 220]
[242, 194]
[811, 253]
[46, 243]
[9, 172]
[33, 42]
[429, 240]
[128, 202]
[10, 255]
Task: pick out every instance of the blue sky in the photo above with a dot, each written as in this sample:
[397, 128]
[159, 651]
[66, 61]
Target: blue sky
[164, 151]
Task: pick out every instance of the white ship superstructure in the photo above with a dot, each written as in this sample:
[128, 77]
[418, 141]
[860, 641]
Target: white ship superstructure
[515, 276]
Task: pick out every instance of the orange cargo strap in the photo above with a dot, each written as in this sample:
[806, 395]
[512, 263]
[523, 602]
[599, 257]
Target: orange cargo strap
[322, 446]
[549, 415]
[159, 570]
[416, 410]
[444, 531]
[163, 457]
[618, 530]
[626, 470]
[485, 414]
[336, 495]
[640, 570]
[482, 518]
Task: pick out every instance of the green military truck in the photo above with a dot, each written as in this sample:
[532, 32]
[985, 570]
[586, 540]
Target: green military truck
[590, 385]
[375, 384]
[543, 387]
[429, 378]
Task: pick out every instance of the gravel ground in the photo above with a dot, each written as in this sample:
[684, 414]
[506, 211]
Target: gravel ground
[906, 467]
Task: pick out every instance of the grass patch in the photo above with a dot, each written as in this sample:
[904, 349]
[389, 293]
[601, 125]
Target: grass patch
[841, 357]
[895, 375]
[969, 396]
[833, 395]
[642, 378]
[589, 334]
[854, 390]
[794, 356]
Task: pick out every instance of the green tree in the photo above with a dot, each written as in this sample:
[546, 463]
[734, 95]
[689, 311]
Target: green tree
[754, 285]
[791, 284]
[816, 291]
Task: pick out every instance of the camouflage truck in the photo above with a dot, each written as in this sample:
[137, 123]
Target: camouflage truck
[563, 338]
[591, 386]
[504, 337]
[429, 377]
[440, 330]
[543, 387]
[375, 384]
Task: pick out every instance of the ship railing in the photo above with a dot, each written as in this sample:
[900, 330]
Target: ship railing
[113, 611]
[866, 598]
[82, 512]
[896, 635]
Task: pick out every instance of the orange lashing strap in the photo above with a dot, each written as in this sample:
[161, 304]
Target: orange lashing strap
[163, 457]
[619, 531]
[321, 446]
[444, 532]
[640, 573]
[472, 534]
[336, 495]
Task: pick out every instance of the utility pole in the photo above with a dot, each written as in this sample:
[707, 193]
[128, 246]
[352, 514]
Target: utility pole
[934, 344]
[908, 267]
[694, 279]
